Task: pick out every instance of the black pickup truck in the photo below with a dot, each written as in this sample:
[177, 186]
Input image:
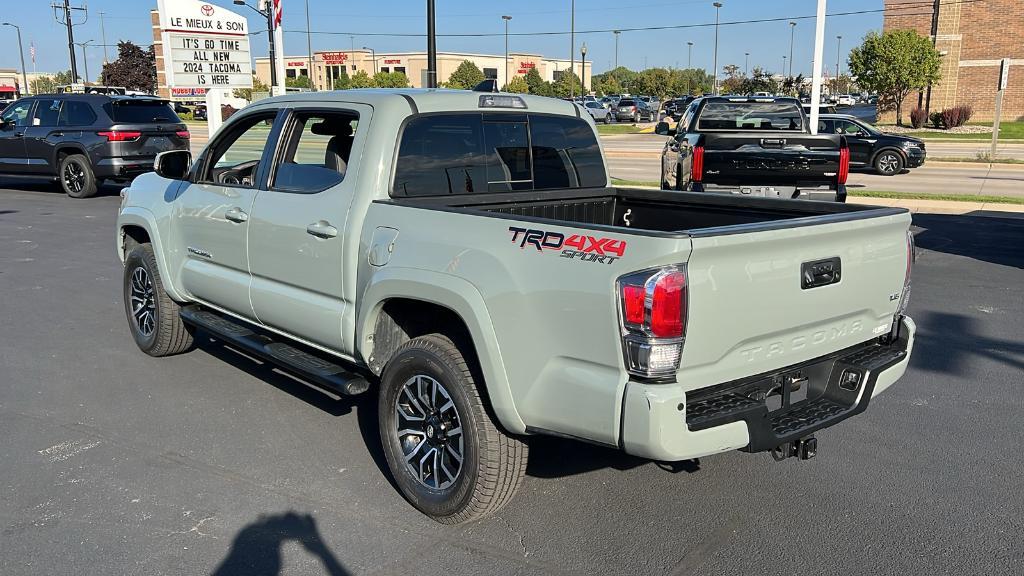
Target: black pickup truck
[757, 146]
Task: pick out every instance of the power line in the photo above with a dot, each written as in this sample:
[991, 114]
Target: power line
[904, 6]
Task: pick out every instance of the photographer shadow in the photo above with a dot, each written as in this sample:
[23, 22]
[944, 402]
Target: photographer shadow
[256, 550]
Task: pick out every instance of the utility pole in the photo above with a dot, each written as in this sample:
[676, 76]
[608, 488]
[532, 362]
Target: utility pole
[616, 32]
[792, 35]
[66, 7]
[85, 60]
[839, 42]
[689, 55]
[431, 47]
[507, 79]
[267, 13]
[718, 6]
[103, 36]
[572, 47]
[374, 57]
[746, 63]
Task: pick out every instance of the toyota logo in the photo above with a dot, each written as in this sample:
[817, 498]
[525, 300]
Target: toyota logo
[207, 10]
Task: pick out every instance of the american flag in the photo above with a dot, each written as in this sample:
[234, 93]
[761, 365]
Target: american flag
[277, 14]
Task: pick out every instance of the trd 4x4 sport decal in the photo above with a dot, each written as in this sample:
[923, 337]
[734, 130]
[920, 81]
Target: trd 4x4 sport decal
[577, 246]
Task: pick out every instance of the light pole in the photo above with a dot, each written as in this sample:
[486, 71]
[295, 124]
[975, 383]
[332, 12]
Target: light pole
[718, 6]
[792, 35]
[583, 69]
[783, 67]
[572, 46]
[431, 47]
[616, 32]
[24, 78]
[507, 19]
[103, 37]
[269, 15]
[839, 42]
[85, 61]
[746, 63]
[689, 55]
[309, 53]
[373, 54]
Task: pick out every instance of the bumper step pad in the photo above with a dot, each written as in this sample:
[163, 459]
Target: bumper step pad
[314, 368]
[838, 386]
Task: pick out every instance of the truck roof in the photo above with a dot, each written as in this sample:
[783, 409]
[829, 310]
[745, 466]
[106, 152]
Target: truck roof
[434, 100]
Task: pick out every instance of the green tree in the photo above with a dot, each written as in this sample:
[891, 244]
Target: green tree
[893, 64]
[134, 69]
[361, 80]
[759, 81]
[299, 81]
[691, 81]
[518, 85]
[567, 82]
[43, 85]
[733, 79]
[246, 93]
[342, 82]
[390, 80]
[536, 84]
[465, 77]
[605, 84]
[623, 76]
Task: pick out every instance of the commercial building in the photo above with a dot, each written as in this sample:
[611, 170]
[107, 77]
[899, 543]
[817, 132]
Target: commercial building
[328, 65]
[10, 84]
[972, 38]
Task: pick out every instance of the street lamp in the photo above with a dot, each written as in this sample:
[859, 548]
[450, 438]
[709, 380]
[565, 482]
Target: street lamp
[373, 54]
[616, 32]
[85, 60]
[792, 34]
[746, 63]
[717, 5]
[507, 19]
[689, 54]
[24, 78]
[572, 46]
[839, 42]
[583, 69]
[783, 66]
[269, 15]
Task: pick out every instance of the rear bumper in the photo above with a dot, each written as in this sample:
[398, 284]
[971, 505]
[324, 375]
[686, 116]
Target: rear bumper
[822, 194]
[122, 167]
[662, 422]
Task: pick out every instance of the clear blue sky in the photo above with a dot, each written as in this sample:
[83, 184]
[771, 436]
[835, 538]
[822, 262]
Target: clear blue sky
[766, 42]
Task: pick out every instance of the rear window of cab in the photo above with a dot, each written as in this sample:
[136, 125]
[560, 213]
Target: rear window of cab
[140, 111]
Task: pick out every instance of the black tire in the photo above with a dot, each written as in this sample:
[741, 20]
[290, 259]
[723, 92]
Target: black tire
[493, 463]
[76, 176]
[166, 334]
[607, 118]
[889, 163]
[636, 118]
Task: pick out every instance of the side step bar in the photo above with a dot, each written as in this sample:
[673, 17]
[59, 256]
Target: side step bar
[316, 369]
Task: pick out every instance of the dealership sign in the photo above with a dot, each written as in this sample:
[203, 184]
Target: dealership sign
[204, 46]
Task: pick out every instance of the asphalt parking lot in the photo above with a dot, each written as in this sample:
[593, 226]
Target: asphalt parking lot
[112, 462]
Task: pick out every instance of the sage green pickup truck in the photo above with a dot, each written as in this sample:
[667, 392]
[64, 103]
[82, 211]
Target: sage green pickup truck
[464, 257]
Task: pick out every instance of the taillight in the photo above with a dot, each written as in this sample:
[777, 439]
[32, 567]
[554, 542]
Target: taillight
[697, 164]
[183, 134]
[121, 135]
[844, 164]
[653, 320]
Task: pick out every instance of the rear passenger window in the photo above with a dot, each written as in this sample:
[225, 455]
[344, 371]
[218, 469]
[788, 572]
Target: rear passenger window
[47, 112]
[317, 152]
[75, 113]
[497, 152]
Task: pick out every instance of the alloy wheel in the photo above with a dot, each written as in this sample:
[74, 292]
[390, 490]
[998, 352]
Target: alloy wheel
[143, 302]
[888, 163]
[429, 431]
[74, 177]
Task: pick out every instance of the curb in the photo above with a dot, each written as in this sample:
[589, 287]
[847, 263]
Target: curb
[985, 209]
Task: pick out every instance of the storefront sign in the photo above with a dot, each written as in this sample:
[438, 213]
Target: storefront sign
[296, 64]
[525, 67]
[334, 57]
[205, 46]
[188, 93]
[393, 61]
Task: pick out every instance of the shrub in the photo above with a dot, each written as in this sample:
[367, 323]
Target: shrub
[957, 115]
[936, 119]
[918, 117]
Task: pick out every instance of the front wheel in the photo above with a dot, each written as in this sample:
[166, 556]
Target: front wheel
[153, 318]
[447, 456]
[889, 163]
[607, 118]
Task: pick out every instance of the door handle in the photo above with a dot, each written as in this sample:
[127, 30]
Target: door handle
[322, 229]
[58, 134]
[18, 135]
[236, 215]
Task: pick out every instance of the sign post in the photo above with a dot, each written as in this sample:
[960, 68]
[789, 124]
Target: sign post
[819, 47]
[1004, 74]
[206, 49]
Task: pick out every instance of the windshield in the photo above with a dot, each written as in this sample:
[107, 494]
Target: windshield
[868, 126]
[729, 115]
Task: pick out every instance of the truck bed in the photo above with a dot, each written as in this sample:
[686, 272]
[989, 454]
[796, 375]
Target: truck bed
[656, 211]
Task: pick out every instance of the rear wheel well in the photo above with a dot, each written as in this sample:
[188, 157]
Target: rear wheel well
[66, 151]
[403, 319]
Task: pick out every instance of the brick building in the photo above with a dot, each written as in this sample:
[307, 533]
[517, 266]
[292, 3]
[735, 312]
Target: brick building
[972, 36]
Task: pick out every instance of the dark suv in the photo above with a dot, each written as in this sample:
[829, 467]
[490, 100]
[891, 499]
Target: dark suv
[81, 139]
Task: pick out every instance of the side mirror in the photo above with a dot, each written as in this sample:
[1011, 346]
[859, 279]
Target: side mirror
[663, 129]
[6, 124]
[173, 164]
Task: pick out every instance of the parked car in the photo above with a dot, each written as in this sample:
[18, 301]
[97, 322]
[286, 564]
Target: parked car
[752, 146]
[598, 111]
[199, 112]
[822, 109]
[180, 108]
[82, 139]
[464, 258]
[633, 110]
[888, 154]
[676, 106]
[846, 100]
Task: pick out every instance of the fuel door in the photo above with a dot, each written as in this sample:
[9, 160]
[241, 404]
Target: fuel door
[382, 245]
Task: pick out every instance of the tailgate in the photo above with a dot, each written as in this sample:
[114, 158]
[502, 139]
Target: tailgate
[764, 159]
[749, 311]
